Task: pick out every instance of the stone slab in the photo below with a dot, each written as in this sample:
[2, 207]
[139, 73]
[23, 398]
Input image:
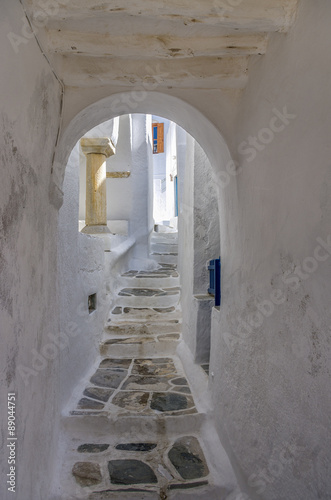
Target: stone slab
[188, 459]
[92, 448]
[129, 472]
[108, 378]
[98, 393]
[87, 473]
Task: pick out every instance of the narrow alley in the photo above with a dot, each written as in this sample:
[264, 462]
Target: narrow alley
[138, 426]
[165, 249]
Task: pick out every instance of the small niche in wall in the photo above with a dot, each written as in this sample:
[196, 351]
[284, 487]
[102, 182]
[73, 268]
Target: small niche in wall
[92, 303]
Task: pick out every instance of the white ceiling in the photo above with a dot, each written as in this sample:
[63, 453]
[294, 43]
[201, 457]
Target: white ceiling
[176, 43]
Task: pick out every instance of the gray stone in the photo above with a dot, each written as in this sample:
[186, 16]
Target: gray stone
[133, 309]
[87, 473]
[117, 310]
[179, 381]
[92, 448]
[130, 472]
[168, 402]
[165, 275]
[164, 310]
[136, 446]
[156, 361]
[153, 369]
[131, 401]
[115, 363]
[146, 383]
[128, 329]
[89, 413]
[115, 341]
[183, 390]
[108, 378]
[130, 273]
[110, 494]
[188, 459]
[141, 292]
[97, 393]
[187, 486]
[169, 336]
[89, 404]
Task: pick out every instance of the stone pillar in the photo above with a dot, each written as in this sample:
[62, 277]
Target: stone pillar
[96, 152]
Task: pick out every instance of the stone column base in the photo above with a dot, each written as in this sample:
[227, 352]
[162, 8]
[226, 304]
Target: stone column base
[97, 229]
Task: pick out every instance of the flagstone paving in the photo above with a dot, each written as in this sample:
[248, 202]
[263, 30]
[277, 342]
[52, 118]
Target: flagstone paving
[148, 386]
[178, 464]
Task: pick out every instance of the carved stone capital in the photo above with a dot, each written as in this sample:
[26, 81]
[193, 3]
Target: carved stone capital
[98, 146]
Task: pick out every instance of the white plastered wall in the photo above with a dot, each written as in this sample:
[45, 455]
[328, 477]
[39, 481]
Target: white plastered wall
[271, 381]
[29, 123]
[199, 242]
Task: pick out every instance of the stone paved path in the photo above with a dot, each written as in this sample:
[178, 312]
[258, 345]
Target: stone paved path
[134, 429]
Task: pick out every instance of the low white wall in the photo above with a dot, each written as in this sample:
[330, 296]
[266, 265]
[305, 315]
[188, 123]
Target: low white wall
[81, 273]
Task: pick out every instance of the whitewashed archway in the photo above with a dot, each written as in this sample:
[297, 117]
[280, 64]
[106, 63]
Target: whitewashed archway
[172, 108]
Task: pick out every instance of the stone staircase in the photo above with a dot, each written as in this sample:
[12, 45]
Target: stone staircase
[137, 428]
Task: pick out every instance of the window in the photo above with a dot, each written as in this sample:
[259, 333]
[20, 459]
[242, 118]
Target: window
[158, 138]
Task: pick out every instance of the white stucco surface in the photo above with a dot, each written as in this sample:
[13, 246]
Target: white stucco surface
[271, 381]
[30, 94]
[199, 242]
[82, 273]
[141, 217]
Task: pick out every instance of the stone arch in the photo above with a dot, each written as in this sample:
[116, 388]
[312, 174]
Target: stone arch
[172, 108]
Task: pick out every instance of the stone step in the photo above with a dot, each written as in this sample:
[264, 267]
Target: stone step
[132, 456]
[165, 258]
[165, 276]
[138, 426]
[119, 315]
[160, 345]
[164, 247]
[150, 281]
[92, 425]
[149, 339]
[134, 387]
[148, 297]
[143, 329]
[161, 229]
[167, 237]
